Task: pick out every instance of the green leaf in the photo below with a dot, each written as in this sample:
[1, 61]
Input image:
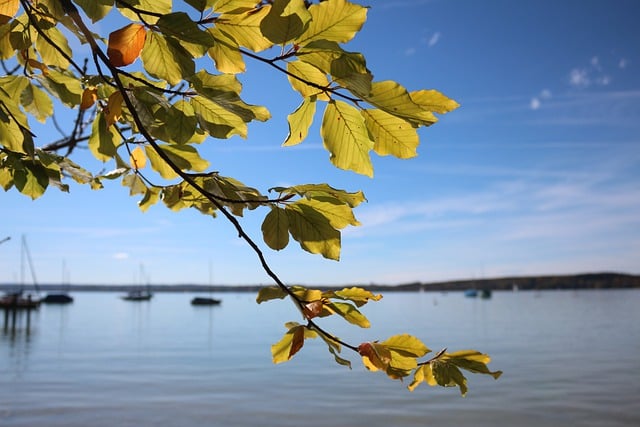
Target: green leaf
[324, 192]
[286, 20]
[187, 32]
[339, 215]
[151, 197]
[394, 99]
[165, 59]
[392, 135]
[13, 86]
[237, 6]
[216, 120]
[135, 183]
[37, 102]
[333, 20]
[6, 178]
[275, 228]
[186, 157]
[345, 136]
[300, 121]
[313, 230]
[11, 135]
[183, 122]
[32, 180]
[95, 9]
[472, 361]
[6, 49]
[104, 139]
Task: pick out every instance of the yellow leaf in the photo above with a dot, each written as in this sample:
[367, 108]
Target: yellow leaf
[89, 96]
[345, 136]
[126, 44]
[275, 229]
[333, 20]
[392, 135]
[289, 345]
[286, 20]
[113, 110]
[394, 99]
[300, 122]
[8, 9]
[225, 53]
[137, 159]
[406, 345]
[244, 28]
[308, 73]
[157, 8]
[432, 100]
[313, 230]
[374, 356]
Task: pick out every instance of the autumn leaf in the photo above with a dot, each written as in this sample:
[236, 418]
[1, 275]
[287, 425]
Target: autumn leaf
[374, 356]
[89, 96]
[137, 159]
[8, 9]
[126, 44]
[113, 111]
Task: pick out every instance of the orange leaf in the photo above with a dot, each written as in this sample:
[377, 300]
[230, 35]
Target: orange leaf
[125, 44]
[374, 356]
[8, 9]
[89, 96]
[113, 110]
[137, 159]
[297, 342]
[313, 309]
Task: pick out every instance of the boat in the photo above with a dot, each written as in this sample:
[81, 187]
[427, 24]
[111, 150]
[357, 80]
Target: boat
[21, 300]
[60, 297]
[485, 293]
[138, 295]
[471, 293]
[205, 301]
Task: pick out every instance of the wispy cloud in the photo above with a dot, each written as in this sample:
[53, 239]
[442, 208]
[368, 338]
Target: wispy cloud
[434, 39]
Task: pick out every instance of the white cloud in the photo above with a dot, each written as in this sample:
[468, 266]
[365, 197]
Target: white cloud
[579, 78]
[623, 63]
[121, 255]
[535, 103]
[434, 39]
[545, 94]
[409, 51]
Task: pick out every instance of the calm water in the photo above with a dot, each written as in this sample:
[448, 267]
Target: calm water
[570, 358]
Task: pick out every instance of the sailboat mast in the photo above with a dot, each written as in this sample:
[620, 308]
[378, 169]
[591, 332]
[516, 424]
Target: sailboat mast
[25, 251]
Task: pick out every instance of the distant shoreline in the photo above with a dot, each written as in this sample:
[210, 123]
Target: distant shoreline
[558, 282]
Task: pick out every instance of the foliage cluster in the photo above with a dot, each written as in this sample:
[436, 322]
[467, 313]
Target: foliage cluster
[156, 88]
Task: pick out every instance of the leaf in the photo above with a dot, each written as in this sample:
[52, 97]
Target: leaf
[49, 53]
[95, 9]
[268, 293]
[324, 192]
[244, 28]
[406, 345]
[358, 295]
[345, 136]
[394, 99]
[11, 135]
[165, 59]
[391, 134]
[32, 180]
[308, 73]
[349, 313]
[473, 361]
[135, 183]
[89, 97]
[289, 345]
[313, 230]
[185, 157]
[225, 52]
[113, 110]
[374, 356]
[37, 102]
[8, 9]
[66, 87]
[275, 228]
[151, 197]
[237, 6]
[333, 20]
[155, 7]
[126, 44]
[183, 122]
[300, 121]
[187, 32]
[104, 139]
[432, 100]
[137, 159]
[215, 119]
[313, 309]
[286, 20]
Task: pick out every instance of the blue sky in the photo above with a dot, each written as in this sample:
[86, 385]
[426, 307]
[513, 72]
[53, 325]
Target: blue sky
[536, 173]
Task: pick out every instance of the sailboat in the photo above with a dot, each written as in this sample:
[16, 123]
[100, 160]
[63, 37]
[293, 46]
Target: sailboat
[19, 299]
[139, 294]
[59, 298]
[206, 300]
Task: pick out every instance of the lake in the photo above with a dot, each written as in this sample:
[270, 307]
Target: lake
[569, 358]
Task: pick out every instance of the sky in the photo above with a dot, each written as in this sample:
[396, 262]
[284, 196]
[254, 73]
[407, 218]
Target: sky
[537, 173]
